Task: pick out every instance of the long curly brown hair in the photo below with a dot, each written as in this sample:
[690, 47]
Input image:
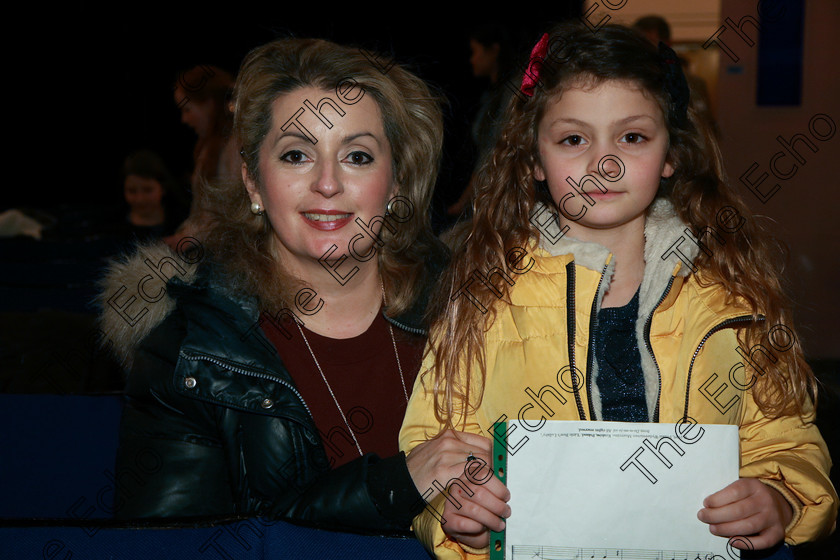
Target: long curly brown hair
[241, 241]
[748, 265]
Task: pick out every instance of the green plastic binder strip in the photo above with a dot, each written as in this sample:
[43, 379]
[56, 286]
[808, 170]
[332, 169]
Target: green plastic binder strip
[497, 540]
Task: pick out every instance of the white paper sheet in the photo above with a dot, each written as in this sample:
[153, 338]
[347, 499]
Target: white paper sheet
[599, 490]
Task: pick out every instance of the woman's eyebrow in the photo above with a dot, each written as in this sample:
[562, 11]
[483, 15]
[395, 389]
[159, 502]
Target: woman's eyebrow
[290, 133]
[349, 138]
[346, 140]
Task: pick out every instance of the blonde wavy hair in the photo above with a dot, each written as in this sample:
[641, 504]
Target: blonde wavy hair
[240, 241]
[748, 265]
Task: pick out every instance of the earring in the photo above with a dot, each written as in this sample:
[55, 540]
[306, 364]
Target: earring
[256, 208]
[389, 208]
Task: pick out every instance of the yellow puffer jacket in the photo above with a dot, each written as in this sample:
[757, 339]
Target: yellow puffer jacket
[687, 342]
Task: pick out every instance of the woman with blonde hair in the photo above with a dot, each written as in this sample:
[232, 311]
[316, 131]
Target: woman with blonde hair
[271, 373]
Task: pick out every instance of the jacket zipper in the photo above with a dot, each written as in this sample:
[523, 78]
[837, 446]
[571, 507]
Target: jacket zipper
[650, 348]
[243, 371]
[570, 327]
[593, 324]
[719, 326]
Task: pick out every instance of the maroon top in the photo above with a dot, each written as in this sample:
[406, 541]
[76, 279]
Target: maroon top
[365, 380]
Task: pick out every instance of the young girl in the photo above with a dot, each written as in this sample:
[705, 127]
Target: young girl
[624, 282]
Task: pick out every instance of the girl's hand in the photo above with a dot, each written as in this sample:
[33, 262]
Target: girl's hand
[748, 508]
[443, 458]
[470, 523]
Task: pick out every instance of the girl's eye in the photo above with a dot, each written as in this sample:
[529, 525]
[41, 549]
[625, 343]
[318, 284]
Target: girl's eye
[359, 158]
[295, 157]
[573, 140]
[633, 137]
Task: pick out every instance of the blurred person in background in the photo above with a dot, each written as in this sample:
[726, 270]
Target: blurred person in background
[149, 190]
[656, 29]
[203, 94]
[490, 48]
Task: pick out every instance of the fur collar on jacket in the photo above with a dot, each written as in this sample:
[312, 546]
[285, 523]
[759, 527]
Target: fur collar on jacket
[663, 230]
[134, 297]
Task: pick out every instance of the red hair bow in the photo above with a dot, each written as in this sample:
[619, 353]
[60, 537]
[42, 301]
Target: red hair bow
[532, 73]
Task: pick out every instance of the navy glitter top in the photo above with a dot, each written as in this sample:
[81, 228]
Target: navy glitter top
[620, 378]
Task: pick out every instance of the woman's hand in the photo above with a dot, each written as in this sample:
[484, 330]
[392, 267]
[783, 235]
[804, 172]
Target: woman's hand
[747, 508]
[443, 458]
[467, 518]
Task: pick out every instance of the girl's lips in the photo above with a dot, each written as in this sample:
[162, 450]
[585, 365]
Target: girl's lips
[326, 220]
[604, 196]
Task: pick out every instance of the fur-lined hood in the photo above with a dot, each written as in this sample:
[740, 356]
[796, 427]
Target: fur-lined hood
[134, 294]
[670, 251]
[663, 232]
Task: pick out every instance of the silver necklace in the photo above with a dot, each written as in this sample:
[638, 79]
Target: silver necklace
[327, 383]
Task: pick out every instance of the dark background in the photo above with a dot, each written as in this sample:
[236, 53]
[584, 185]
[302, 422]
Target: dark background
[96, 83]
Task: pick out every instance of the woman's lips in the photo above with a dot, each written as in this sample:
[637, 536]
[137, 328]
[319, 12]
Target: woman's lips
[326, 220]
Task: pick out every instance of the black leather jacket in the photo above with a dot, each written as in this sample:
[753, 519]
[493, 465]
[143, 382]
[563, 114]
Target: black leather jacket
[213, 424]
